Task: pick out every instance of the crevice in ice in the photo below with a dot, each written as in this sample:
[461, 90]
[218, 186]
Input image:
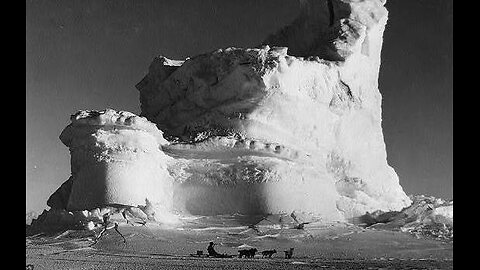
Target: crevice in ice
[347, 90]
[220, 147]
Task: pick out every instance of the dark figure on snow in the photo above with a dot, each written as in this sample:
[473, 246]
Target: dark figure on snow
[247, 253]
[213, 253]
[268, 253]
[288, 253]
[211, 250]
[107, 226]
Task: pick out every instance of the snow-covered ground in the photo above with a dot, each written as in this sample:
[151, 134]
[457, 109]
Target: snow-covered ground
[329, 245]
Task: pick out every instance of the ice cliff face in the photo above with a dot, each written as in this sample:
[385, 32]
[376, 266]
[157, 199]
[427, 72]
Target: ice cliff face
[294, 125]
[280, 129]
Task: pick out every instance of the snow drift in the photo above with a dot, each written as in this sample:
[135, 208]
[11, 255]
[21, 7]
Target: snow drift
[426, 216]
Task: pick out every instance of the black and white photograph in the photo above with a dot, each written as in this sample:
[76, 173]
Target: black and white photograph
[239, 134]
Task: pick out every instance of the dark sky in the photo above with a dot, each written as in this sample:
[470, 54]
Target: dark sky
[90, 54]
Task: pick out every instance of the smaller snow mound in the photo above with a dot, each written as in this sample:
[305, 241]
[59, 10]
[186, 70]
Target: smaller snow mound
[426, 216]
[116, 158]
[56, 220]
[109, 117]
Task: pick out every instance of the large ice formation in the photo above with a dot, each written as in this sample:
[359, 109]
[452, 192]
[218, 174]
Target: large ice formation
[293, 125]
[263, 130]
[115, 159]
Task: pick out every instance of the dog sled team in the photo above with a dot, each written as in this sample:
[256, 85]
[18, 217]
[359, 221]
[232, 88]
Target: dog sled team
[244, 253]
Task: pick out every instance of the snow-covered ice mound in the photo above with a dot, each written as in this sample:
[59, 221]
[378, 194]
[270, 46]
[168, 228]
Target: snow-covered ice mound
[262, 131]
[115, 160]
[291, 126]
[426, 216]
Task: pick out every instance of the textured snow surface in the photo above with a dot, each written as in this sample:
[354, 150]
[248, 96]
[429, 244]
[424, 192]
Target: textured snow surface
[115, 159]
[426, 216]
[54, 220]
[262, 130]
[291, 126]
